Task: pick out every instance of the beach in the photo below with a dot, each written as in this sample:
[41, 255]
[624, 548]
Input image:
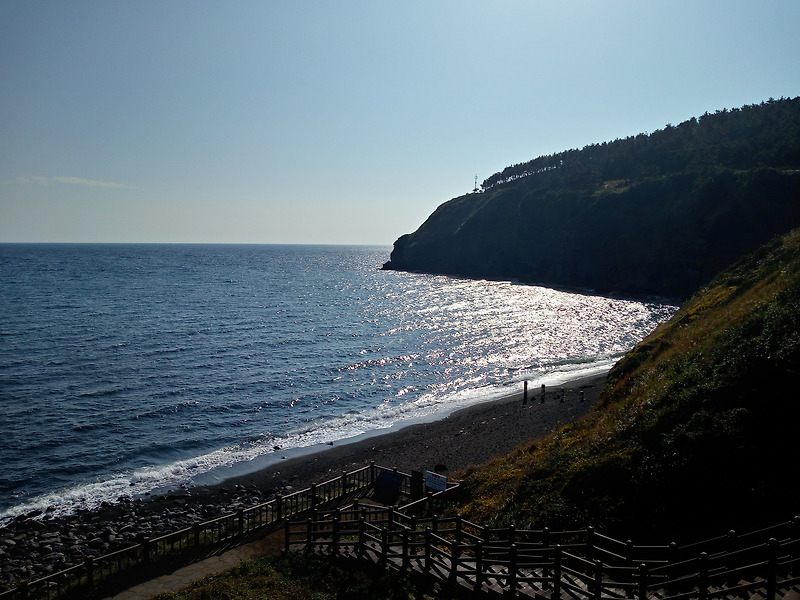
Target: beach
[470, 436]
[34, 545]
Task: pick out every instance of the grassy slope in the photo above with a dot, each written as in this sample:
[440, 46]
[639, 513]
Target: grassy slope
[695, 432]
[299, 576]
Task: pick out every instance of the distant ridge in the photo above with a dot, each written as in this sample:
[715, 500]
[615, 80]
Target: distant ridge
[656, 214]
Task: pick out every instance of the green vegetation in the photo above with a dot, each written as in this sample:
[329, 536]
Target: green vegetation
[299, 576]
[695, 432]
[650, 214]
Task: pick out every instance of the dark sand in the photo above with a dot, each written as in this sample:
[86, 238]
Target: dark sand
[470, 436]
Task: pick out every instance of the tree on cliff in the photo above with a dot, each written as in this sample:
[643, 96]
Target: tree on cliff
[650, 214]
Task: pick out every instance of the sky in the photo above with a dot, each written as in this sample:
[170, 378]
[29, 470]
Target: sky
[340, 122]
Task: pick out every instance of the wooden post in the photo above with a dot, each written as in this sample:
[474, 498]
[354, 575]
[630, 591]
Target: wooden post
[479, 566]
[344, 483]
[672, 557]
[642, 581]
[279, 506]
[455, 552]
[428, 544]
[512, 570]
[362, 537]
[313, 492]
[772, 569]
[702, 583]
[562, 396]
[406, 557]
[384, 546]
[335, 533]
[545, 539]
[598, 579]
[525, 393]
[590, 542]
[417, 485]
[240, 515]
[372, 472]
[309, 534]
[557, 573]
[196, 529]
[541, 401]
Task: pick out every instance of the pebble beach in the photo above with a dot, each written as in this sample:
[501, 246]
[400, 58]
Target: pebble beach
[35, 545]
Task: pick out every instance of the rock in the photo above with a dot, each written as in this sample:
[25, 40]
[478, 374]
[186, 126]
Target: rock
[35, 545]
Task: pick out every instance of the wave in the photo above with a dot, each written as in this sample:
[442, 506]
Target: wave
[179, 382]
[254, 454]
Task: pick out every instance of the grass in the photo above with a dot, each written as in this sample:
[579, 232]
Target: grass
[300, 576]
[691, 430]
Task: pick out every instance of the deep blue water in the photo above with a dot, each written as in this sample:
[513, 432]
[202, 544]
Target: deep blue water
[131, 368]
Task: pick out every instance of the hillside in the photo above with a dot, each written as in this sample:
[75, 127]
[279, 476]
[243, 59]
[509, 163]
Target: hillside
[656, 214]
[695, 432]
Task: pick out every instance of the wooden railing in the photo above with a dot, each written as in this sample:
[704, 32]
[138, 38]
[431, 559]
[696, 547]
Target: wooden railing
[152, 557]
[574, 564]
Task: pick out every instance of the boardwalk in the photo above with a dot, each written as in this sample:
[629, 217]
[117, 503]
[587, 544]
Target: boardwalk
[542, 564]
[582, 564]
[148, 559]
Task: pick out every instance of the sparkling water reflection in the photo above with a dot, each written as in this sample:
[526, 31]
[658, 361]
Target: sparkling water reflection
[125, 369]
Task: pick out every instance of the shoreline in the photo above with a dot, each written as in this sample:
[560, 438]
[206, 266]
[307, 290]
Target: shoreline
[293, 457]
[468, 436]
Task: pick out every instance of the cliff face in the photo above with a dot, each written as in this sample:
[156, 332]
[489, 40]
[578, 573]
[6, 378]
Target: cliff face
[650, 215]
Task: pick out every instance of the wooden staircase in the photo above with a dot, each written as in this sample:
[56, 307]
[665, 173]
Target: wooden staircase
[580, 565]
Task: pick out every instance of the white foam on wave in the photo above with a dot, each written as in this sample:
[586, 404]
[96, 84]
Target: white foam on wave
[248, 457]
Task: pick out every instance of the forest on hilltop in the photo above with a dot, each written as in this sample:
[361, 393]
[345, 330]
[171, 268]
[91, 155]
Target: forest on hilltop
[656, 214]
[752, 136]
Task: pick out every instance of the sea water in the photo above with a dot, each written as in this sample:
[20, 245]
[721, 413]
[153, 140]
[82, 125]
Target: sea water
[128, 369]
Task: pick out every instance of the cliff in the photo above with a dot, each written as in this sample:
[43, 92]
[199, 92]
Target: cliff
[656, 214]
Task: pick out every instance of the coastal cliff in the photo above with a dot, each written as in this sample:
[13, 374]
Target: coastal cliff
[656, 214]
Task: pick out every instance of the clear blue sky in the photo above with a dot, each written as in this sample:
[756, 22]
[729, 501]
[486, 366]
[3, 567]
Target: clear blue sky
[340, 122]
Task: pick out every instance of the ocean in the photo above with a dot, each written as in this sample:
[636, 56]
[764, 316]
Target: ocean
[127, 370]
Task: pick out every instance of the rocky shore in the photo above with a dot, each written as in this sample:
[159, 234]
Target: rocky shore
[35, 545]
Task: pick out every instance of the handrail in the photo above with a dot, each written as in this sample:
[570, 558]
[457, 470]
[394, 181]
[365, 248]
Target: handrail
[602, 567]
[151, 557]
[584, 561]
